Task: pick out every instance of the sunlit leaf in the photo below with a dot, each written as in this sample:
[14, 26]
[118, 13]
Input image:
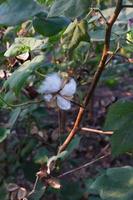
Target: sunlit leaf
[70, 8]
[76, 32]
[115, 184]
[23, 45]
[12, 12]
[3, 134]
[17, 80]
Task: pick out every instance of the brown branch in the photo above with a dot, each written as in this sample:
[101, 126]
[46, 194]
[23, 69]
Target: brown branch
[97, 75]
[91, 130]
[127, 6]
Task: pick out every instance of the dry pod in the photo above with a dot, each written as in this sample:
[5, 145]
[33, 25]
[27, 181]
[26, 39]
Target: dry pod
[21, 193]
[12, 187]
[54, 183]
[13, 195]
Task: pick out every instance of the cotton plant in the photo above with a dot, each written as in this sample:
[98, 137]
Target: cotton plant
[57, 90]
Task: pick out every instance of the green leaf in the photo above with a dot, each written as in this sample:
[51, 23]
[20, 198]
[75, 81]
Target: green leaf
[124, 16]
[39, 191]
[9, 97]
[41, 156]
[73, 145]
[49, 26]
[17, 80]
[38, 114]
[3, 191]
[130, 36]
[3, 134]
[28, 147]
[16, 49]
[98, 35]
[117, 114]
[120, 120]
[76, 32]
[94, 198]
[51, 160]
[13, 12]
[70, 8]
[115, 184]
[122, 139]
[14, 116]
[54, 158]
[63, 154]
[23, 45]
[71, 190]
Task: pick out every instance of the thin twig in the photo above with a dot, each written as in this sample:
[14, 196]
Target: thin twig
[60, 125]
[112, 56]
[97, 76]
[96, 131]
[83, 166]
[116, 54]
[21, 104]
[124, 57]
[106, 21]
[34, 186]
[9, 105]
[88, 14]
[120, 37]
[100, 12]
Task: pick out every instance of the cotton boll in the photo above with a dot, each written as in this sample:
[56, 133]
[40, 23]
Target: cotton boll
[63, 103]
[69, 89]
[48, 97]
[41, 88]
[51, 84]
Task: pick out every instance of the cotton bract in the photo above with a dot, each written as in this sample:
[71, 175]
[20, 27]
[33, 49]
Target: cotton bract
[56, 89]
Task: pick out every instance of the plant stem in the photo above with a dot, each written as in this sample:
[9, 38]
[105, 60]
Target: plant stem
[84, 166]
[91, 130]
[34, 186]
[11, 106]
[97, 76]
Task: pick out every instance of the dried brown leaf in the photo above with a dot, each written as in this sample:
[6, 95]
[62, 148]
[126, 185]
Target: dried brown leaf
[54, 183]
[12, 187]
[13, 195]
[21, 193]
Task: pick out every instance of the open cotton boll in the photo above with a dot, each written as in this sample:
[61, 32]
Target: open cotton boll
[69, 89]
[48, 97]
[56, 92]
[63, 103]
[51, 84]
